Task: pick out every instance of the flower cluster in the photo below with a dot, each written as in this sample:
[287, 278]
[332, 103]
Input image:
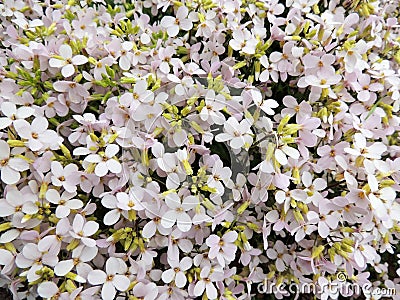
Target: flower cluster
[177, 150]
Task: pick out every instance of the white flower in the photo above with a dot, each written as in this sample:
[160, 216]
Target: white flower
[105, 162]
[176, 272]
[244, 41]
[64, 202]
[36, 133]
[174, 24]
[67, 62]
[11, 113]
[178, 214]
[374, 151]
[238, 134]
[10, 167]
[112, 279]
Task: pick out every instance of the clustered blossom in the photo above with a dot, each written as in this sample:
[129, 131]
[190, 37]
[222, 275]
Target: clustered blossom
[179, 150]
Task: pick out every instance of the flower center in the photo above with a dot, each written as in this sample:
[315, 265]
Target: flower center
[110, 277]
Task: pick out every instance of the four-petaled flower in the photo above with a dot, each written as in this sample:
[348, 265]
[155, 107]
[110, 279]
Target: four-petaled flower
[66, 61]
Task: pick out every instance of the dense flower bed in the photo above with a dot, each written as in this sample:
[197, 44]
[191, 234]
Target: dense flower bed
[173, 150]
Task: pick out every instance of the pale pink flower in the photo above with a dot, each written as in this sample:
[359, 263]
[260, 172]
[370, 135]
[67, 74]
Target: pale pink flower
[324, 79]
[141, 92]
[67, 61]
[81, 230]
[15, 202]
[211, 112]
[7, 260]
[54, 242]
[146, 291]
[302, 110]
[321, 64]
[243, 41]
[207, 27]
[67, 177]
[64, 203]
[176, 273]
[286, 197]
[174, 24]
[361, 83]
[105, 162]
[30, 257]
[237, 134]
[280, 254]
[76, 92]
[112, 279]
[264, 76]
[353, 57]
[284, 61]
[111, 217]
[131, 201]
[155, 211]
[205, 282]
[10, 166]
[100, 67]
[178, 211]
[222, 248]
[360, 148]
[9, 109]
[80, 256]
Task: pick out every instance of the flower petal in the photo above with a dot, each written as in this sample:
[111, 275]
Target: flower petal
[168, 219]
[184, 222]
[79, 60]
[168, 275]
[112, 217]
[65, 51]
[121, 282]
[63, 267]
[68, 70]
[180, 280]
[108, 291]
[97, 277]
[47, 289]
[90, 228]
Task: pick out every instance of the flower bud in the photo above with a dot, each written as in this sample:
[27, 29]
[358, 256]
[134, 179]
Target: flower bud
[5, 226]
[317, 251]
[243, 207]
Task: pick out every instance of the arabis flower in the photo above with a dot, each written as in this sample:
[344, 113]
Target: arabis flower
[222, 248]
[67, 61]
[112, 279]
[174, 24]
[237, 134]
